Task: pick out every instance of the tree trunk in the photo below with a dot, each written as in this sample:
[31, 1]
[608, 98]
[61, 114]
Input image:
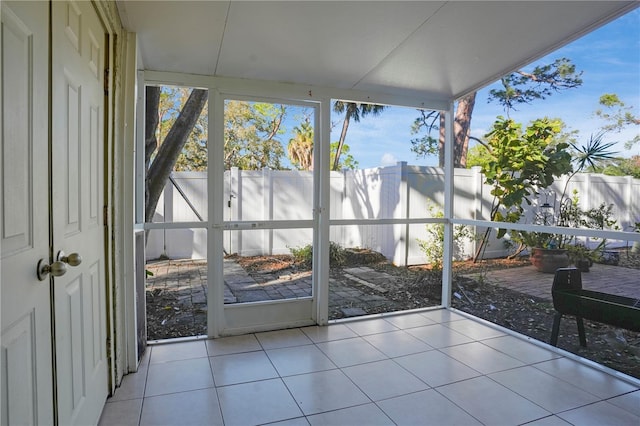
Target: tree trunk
[160, 169]
[343, 135]
[461, 127]
[441, 140]
[152, 103]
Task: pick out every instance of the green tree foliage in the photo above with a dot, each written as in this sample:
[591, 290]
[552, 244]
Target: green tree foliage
[520, 87]
[300, 150]
[479, 154]
[352, 111]
[523, 87]
[522, 163]
[621, 167]
[347, 161]
[426, 144]
[193, 157]
[300, 147]
[251, 135]
[617, 115]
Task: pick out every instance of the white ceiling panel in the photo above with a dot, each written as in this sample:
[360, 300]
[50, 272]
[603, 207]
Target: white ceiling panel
[332, 44]
[177, 36]
[431, 49]
[470, 44]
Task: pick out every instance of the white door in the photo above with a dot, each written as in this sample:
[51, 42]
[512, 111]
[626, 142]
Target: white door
[78, 51]
[25, 349]
[268, 212]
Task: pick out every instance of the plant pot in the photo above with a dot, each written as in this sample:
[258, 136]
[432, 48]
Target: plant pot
[583, 265]
[610, 257]
[548, 260]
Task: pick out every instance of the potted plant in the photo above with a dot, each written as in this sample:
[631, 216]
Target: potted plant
[547, 250]
[545, 254]
[581, 256]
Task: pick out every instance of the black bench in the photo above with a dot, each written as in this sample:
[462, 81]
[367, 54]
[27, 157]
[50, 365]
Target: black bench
[570, 299]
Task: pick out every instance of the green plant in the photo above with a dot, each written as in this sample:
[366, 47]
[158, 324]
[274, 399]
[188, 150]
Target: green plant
[433, 247]
[337, 254]
[521, 163]
[304, 255]
[578, 252]
[601, 217]
[569, 215]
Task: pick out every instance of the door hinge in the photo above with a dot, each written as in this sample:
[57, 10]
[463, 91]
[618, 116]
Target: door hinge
[105, 215]
[106, 81]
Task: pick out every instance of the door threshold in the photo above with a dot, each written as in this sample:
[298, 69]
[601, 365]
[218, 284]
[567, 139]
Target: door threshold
[176, 340]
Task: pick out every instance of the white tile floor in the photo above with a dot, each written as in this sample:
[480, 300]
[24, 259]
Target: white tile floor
[434, 367]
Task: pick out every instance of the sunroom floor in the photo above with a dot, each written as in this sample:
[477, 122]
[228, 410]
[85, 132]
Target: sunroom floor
[428, 367]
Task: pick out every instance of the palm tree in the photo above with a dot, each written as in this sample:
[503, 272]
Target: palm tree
[352, 110]
[300, 147]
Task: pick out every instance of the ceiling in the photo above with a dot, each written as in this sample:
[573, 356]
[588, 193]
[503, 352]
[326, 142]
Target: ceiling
[438, 50]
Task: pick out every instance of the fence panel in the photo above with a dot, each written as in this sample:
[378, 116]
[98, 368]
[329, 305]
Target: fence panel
[399, 192]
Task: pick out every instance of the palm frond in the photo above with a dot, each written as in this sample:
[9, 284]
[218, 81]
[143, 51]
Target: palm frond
[593, 152]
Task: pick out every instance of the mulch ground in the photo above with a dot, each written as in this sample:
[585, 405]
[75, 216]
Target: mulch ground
[417, 287]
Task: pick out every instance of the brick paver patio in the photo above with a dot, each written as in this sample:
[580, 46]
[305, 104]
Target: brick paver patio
[605, 278]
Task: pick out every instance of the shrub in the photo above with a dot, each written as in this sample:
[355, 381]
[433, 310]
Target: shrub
[304, 255]
[433, 248]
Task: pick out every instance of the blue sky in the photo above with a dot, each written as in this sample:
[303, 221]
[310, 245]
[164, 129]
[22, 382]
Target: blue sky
[609, 57]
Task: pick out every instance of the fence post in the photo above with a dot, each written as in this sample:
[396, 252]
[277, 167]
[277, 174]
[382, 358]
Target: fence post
[348, 181]
[587, 200]
[267, 209]
[235, 196]
[628, 200]
[168, 217]
[478, 198]
[402, 251]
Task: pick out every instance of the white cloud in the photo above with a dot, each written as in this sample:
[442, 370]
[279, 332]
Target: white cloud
[388, 159]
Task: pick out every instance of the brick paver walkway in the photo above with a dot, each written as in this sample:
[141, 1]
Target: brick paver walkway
[605, 278]
[187, 280]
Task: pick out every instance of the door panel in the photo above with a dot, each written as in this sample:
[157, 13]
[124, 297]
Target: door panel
[25, 349]
[77, 193]
[266, 213]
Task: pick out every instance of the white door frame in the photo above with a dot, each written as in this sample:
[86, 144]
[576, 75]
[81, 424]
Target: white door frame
[241, 318]
[219, 87]
[120, 125]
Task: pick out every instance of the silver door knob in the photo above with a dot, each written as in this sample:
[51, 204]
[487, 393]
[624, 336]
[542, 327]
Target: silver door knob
[57, 269]
[74, 259]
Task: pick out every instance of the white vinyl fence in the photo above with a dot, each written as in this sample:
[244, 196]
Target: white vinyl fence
[395, 192]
